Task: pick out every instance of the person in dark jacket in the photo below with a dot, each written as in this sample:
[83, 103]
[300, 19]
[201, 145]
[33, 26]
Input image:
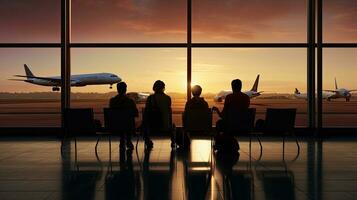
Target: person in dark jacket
[158, 103]
[196, 102]
[122, 101]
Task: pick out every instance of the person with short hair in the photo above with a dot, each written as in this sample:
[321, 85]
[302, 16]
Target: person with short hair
[122, 101]
[160, 102]
[235, 102]
[196, 102]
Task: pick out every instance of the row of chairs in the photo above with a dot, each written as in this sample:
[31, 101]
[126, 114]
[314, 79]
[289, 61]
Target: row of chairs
[280, 122]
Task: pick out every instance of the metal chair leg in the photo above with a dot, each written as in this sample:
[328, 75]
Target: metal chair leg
[96, 144]
[110, 154]
[261, 148]
[298, 147]
[75, 153]
[250, 150]
[284, 147]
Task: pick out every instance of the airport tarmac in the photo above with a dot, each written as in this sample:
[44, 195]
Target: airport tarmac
[32, 113]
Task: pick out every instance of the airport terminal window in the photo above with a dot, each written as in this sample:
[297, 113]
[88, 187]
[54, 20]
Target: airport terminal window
[261, 21]
[30, 21]
[339, 105]
[161, 23]
[23, 103]
[138, 67]
[281, 71]
[129, 21]
[339, 21]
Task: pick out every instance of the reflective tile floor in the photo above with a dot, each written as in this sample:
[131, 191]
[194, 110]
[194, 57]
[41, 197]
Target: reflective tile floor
[35, 169]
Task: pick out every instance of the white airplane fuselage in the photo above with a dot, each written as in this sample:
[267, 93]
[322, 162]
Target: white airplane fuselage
[341, 93]
[325, 95]
[222, 94]
[80, 80]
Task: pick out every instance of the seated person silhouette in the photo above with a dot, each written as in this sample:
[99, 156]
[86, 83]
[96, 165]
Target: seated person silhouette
[235, 102]
[196, 102]
[121, 101]
[158, 112]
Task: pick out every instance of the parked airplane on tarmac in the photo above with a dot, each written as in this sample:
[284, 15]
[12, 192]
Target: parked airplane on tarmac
[340, 93]
[251, 93]
[76, 80]
[138, 97]
[299, 95]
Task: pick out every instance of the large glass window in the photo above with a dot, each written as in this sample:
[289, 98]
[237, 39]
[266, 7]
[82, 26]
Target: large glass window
[339, 21]
[129, 21]
[139, 68]
[253, 21]
[29, 101]
[339, 105]
[30, 21]
[280, 70]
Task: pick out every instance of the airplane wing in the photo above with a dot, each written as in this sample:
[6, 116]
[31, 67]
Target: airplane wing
[54, 80]
[330, 91]
[14, 79]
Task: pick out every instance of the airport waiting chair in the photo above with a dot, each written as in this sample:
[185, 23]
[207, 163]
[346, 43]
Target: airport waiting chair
[117, 122]
[242, 123]
[151, 126]
[281, 122]
[78, 122]
[197, 121]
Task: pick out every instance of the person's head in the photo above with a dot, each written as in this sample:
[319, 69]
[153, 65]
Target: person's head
[159, 86]
[196, 90]
[121, 88]
[236, 85]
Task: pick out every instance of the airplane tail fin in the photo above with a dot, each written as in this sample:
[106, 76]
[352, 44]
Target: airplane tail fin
[28, 71]
[336, 84]
[297, 91]
[255, 86]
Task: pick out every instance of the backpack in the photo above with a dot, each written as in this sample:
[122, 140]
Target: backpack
[225, 143]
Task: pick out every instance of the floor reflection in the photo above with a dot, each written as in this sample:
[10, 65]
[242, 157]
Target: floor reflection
[36, 170]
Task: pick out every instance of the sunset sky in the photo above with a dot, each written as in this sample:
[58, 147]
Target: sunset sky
[165, 21]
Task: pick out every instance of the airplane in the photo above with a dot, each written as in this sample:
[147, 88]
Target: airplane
[251, 93]
[299, 95]
[76, 80]
[340, 93]
[138, 97]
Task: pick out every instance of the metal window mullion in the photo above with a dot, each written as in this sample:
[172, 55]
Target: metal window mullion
[311, 64]
[189, 48]
[319, 63]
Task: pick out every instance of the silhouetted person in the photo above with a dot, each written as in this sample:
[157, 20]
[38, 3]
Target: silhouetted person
[196, 102]
[237, 101]
[158, 113]
[234, 103]
[121, 101]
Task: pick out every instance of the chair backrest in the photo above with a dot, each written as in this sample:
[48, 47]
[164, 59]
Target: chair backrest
[119, 120]
[279, 120]
[239, 122]
[79, 121]
[197, 120]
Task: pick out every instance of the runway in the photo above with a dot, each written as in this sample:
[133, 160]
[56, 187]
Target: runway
[46, 113]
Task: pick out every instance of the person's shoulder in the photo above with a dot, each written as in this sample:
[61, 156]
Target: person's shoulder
[229, 96]
[114, 98]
